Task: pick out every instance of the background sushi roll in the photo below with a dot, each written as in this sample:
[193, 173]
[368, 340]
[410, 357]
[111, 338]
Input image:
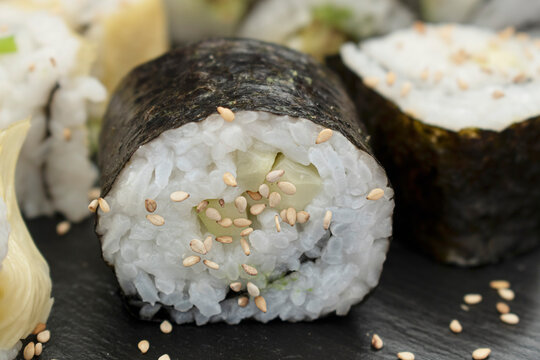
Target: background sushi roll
[45, 75]
[25, 285]
[273, 207]
[454, 113]
[319, 27]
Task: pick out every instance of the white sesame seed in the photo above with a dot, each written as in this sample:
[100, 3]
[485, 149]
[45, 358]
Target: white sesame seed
[246, 231]
[38, 349]
[211, 264]
[202, 205]
[287, 187]
[164, 357]
[324, 136]
[264, 190]
[390, 78]
[274, 175]
[375, 194]
[226, 114]
[155, 219]
[507, 294]
[420, 28]
[327, 219]
[243, 301]
[143, 346]
[63, 227]
[371, 81]
[291, 216]
[510, 318]
[104, 205]
[254, 195]
[150, 205]
[499, 284]
[455, 326]
[224, 239]
[66, 134]
[425, 74]
[405, 89]
[481, 354]
[472, 299]
[93, 205]
[197, 246]
[213, 214]
[208, 243]
[377, 342]
[225, 222]
[241, 222]
[276, 222]
[245, 246]
[497, 94]
[405, 355]
[29, 351]
[462, 84]
[179, 196]
[260, 303]
[502, 308]
[257, 209]
[190, 261]
[236, 286]
[240, 203]
[44, 336]
[250, 270]
[274, 199]
[229, 179]
[464, 307]
[302, 217]
[252, 289]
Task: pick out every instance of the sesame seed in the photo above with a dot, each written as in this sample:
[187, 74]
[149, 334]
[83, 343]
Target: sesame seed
[93, 193]
[250, 270]
[324, 136]
[520, 78]
[225, 222]
[502, 308]
[197, 246]
[246, 232]
[211, 264]
[286, 187]
[375, 194]
[224, 239]
[371, 81]
[455, 326]
[276, 222]
[243, 301]
[405, 355]
[274, 175]
[462, 84]
[240, 203]
[377, 342]
[260, 303]
[302, 217]
[283, 215]
[44, 336]
[419, 27]
[327, 219]
[405, 89]
[507, 294]
[53, 61]
[38, 349]
[510, 318]
[236, 286]
[190, 261]
[66, 134]
[164, 357]
[213, 214]
[274, 199]
[481, 354]
[245, 246]
[252, 289]
[438, 76]
[264, 190]
[150, 205]
[497, 94]
[179, 196]
[143, 346]
[31, 67]
[155, 219]
[63, 227]
[390, 78]
[202, 205]
[425, 74]
[254, 195]
[499, 284]
[507, 33]
[472, 299]
[241, 222]
[229, 179]
[257, 209]
[221, 202]
[39, 328]
[291, 216]
[104, 205]
[208, 243]
[29, 351]
[226, 114]
[464, 307]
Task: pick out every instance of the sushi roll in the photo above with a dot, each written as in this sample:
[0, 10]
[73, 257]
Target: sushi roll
[45, 75]
[454, 114]
[237, 183]
[319, 27]
[25, 285]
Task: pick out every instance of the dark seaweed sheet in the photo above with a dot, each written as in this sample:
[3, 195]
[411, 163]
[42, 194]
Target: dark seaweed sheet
[187, 84]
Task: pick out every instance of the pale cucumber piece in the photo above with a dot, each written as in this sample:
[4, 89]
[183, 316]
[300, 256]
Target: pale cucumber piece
[252, 167]
[227, 211]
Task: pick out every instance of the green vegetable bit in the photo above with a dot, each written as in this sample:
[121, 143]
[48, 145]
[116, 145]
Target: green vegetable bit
[332, 16]
[8, 45]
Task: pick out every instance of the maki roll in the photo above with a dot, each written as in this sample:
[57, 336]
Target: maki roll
[454, 113]
[25, 285]
[237, 183]
[320, 27]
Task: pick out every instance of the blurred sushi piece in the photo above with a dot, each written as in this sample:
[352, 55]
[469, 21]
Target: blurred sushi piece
[25, 285]
[319, 27]
[454, 115]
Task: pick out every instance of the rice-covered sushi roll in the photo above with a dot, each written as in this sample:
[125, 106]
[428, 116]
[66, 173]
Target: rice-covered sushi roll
[320, 27]
[454, 113]
[238, 183]
[25, 285]
[44, 74]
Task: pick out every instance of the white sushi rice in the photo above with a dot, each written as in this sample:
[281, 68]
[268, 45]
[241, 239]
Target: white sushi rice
[54, 171]
[344, 262]
[10, 354]
[459, 76]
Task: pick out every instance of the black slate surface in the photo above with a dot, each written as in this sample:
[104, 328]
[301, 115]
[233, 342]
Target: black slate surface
[410, 310]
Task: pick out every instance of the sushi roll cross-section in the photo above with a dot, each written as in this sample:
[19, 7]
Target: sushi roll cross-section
[454, 113]
[237, 183]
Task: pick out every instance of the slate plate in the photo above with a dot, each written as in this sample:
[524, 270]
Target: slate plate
[410, 310]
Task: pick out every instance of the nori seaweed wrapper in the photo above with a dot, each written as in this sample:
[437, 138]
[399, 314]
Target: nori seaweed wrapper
[470, 197]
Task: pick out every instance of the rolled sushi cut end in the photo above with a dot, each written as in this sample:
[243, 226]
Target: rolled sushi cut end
[264, 210]
[25, 285]
[455, 119]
